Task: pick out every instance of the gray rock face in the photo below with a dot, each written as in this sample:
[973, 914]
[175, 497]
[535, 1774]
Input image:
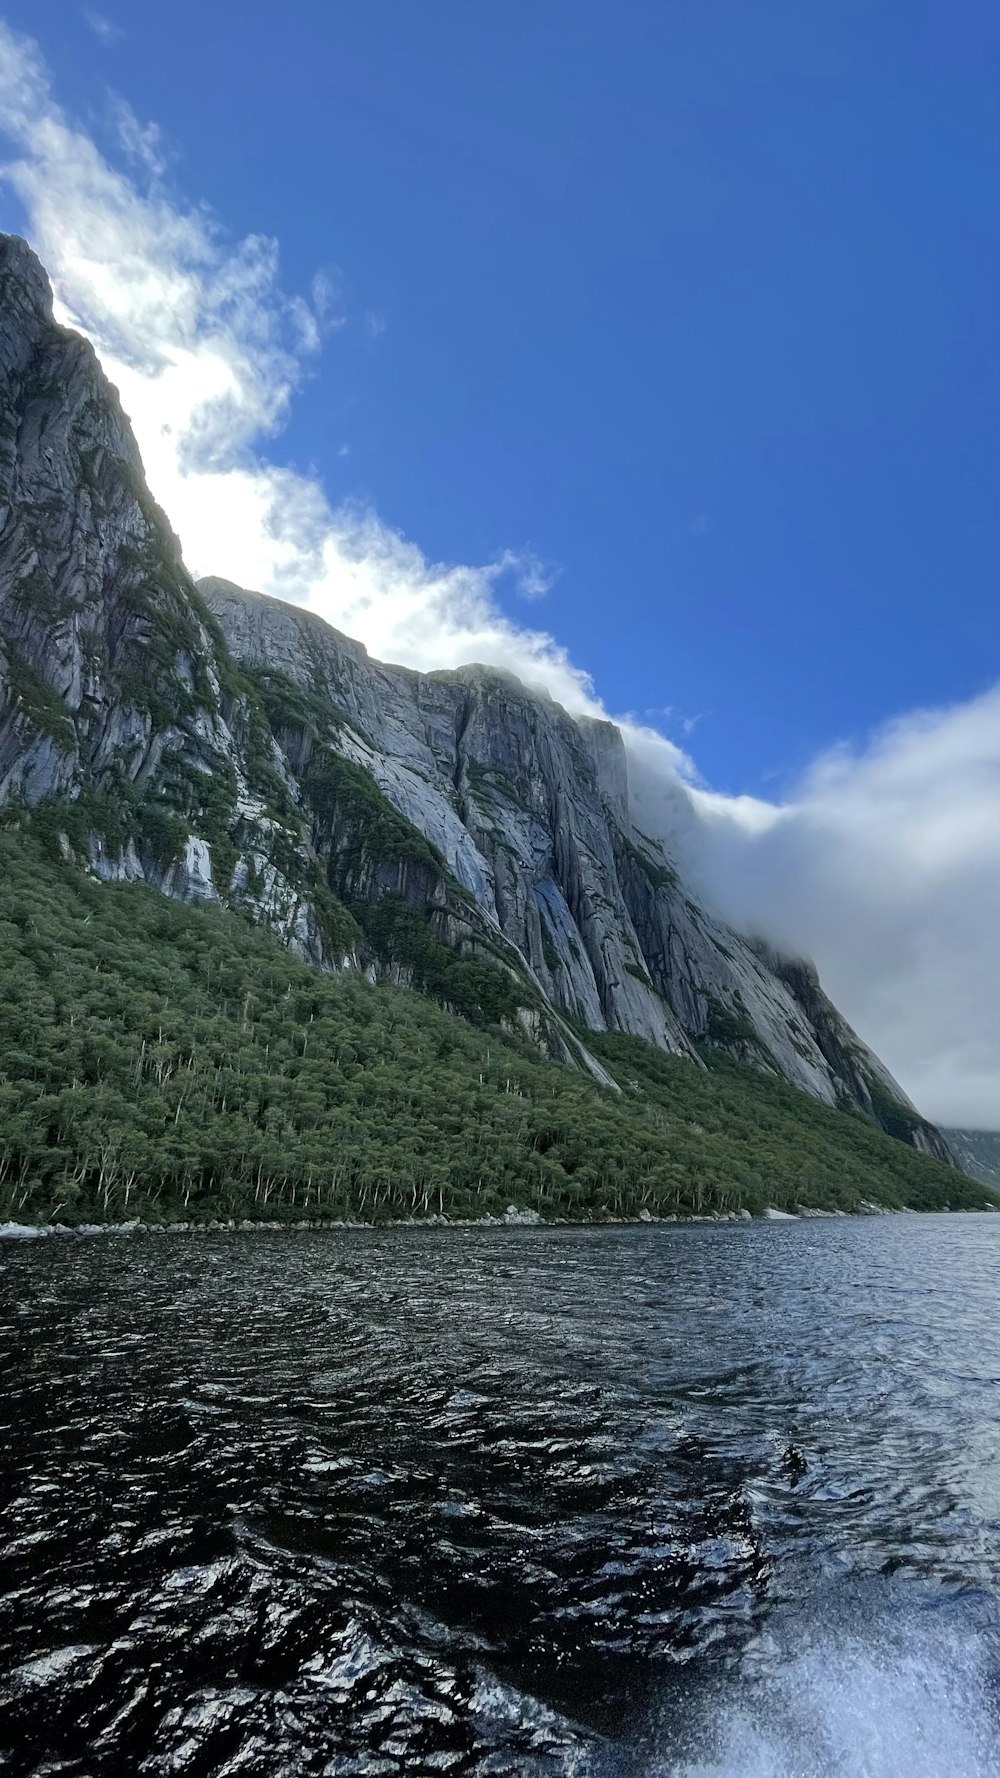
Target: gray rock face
[110, 676]
[977, 1153]
[224, 746]
[501, 781]
[84, 556]
[531, 810]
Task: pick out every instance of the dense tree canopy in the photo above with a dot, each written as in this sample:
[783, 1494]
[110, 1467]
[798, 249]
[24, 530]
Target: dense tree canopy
[162, 1059]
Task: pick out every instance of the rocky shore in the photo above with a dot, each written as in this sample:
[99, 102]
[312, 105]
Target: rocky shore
[512, 1218]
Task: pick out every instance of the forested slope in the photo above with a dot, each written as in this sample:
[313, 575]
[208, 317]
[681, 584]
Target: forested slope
[162, 1059]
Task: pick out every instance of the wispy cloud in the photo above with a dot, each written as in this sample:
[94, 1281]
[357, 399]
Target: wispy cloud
[666, 714]
[103, 27]
[531, 577]
[326, 296]
[142, 143]
[883, 864]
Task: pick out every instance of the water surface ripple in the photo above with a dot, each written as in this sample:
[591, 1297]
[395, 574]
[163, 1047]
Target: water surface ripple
[708, 1500]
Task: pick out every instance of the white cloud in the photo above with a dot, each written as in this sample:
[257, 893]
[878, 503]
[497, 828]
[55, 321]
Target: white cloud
[207, 352]
[885, 865]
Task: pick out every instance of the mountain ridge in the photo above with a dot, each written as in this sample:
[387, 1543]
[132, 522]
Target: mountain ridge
[453, 831]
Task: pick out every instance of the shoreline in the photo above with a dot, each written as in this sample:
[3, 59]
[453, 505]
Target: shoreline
[23, 1231]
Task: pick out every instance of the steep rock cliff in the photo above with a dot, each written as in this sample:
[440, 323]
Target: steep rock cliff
[531, 811]
[452, 830]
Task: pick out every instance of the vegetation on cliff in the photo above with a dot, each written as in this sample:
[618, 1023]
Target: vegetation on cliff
[160, 1059]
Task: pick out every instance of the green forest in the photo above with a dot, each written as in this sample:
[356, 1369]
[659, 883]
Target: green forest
[167, 1061]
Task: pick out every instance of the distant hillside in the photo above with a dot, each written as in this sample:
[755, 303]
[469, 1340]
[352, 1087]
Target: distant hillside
[977, 1153]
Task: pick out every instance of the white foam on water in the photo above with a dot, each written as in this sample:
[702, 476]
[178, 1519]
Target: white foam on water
[914, 1706]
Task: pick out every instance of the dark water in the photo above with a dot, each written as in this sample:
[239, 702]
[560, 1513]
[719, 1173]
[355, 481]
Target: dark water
[713, 1502]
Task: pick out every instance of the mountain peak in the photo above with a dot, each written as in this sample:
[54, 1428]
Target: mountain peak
[26, 274]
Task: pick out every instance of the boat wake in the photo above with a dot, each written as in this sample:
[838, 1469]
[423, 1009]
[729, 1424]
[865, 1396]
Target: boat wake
[912, 1705]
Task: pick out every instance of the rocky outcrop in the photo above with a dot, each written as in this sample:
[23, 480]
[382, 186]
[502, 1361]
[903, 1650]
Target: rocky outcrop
[452, 830]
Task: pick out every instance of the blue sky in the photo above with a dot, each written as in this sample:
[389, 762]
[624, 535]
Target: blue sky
[688, 311]
[697, 301]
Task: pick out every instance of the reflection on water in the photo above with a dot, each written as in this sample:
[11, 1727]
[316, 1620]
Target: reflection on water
[719, 1502]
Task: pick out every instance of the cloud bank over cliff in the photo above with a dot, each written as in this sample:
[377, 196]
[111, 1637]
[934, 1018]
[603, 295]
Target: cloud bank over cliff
[883, 864]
